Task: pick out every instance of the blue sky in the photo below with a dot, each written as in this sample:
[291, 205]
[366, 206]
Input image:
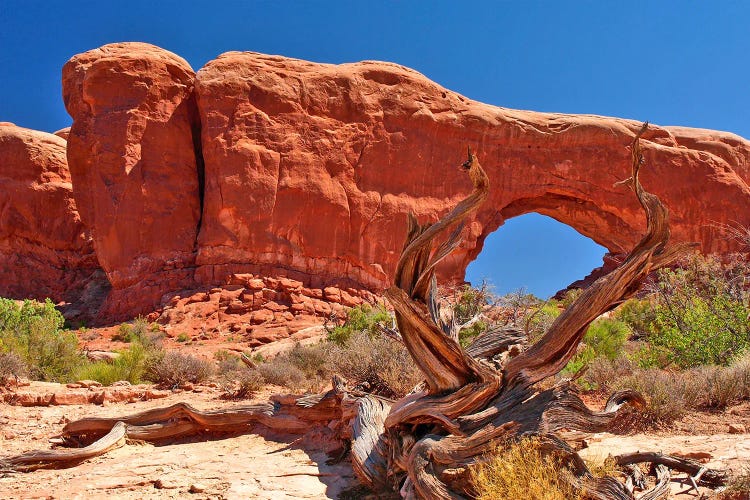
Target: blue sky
[672, 63]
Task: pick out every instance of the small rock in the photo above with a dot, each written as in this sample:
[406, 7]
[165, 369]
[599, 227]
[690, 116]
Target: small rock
[737, 429]
[9, 434]
[121, 383]
[73, 385]
[155, 394]
[89, 383]
[197, 488]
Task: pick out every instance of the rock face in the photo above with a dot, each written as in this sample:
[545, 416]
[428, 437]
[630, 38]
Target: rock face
[44, 249]
[259, 309]
[134, 166]
[278, 167]
[313, 168]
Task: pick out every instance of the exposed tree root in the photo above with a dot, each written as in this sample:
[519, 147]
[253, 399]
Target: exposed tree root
[424, 444]
[50, 459]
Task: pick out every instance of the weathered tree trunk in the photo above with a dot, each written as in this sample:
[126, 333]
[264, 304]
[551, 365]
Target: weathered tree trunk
[423, 444]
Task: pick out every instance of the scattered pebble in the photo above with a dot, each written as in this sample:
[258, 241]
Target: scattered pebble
[737, 429]
[197, 488]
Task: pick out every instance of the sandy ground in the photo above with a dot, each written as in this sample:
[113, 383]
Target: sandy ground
[245, 466]
[274, 467]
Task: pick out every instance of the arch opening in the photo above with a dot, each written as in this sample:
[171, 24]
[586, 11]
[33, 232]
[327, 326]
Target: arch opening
[535, 252]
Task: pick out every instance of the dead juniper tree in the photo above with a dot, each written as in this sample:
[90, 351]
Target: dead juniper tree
[424, 444]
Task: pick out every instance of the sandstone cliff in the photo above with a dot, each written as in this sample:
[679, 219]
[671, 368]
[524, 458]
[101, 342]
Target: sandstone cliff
[45, 250]
[134, 167]
[280, 167]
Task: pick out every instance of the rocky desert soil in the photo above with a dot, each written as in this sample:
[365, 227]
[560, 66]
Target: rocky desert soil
[264, 465]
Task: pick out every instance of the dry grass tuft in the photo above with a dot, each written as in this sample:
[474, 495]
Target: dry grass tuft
[521, 470]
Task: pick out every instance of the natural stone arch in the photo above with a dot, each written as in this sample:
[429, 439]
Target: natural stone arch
[364, 144]
[577, 214]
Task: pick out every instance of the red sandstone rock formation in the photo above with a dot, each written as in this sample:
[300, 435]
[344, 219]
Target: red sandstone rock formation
[310, 170]
[259, 309]
[134, 167]
[313, 168]
[63, 132]
[44, 250]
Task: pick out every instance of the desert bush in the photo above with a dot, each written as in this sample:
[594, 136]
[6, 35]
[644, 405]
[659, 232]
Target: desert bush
[604, 338]
[669, 395]
[702, 312]
[638, 314]
[301, 368]
[738, 487]
[280, 371]
[312, 360]
[235, 379]
[364, 318]
[242, 383]
[470, 301]
[741, 368]
[538, 322]
[467, 334]
[33, 331]
[521, 470]
[603, 373]
[130, 365]
[175, 369]
[720, 386]
[141, 331]
[377, 362]
[227, 362]
[11, 366]
[468, 305]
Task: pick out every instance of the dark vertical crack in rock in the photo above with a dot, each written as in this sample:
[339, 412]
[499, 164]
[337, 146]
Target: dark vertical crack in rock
[195, 127]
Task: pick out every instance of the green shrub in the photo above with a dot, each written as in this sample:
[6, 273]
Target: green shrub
[638, 314]
[175, 369]
[130, 365]
[466, 335]
[651, 356]
[362, 318]
[33, 331]
[604, 338]
[539, 321]
[702, 312]
[470, 301]
[141, 331]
